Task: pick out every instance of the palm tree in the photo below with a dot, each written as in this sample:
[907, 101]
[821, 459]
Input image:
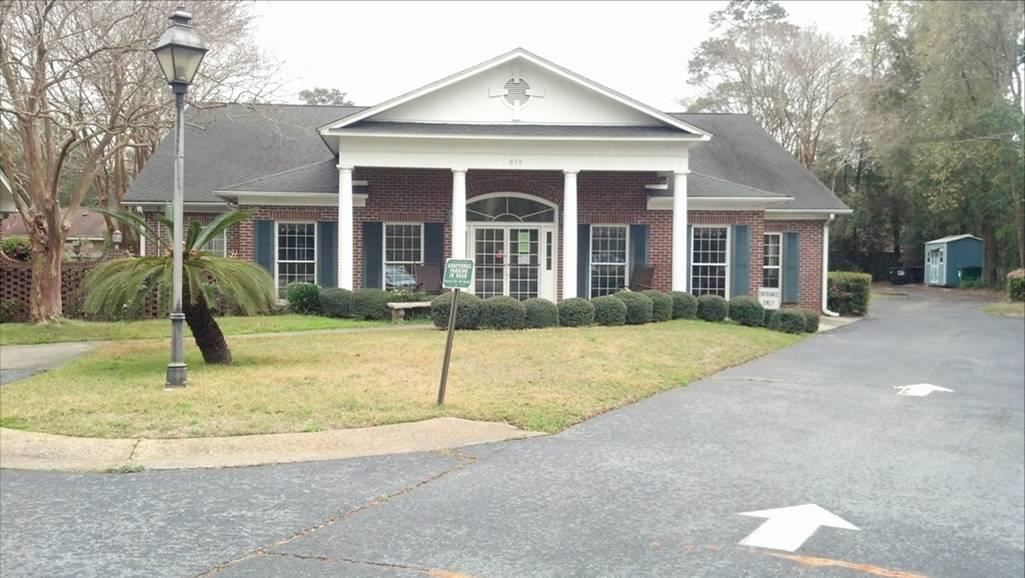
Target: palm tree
[119, 288]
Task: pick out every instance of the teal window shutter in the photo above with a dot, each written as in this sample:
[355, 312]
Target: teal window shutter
[740, 261]
[791, 268]
[583, 262]
[263, 244]
[638, 245]
[327, 253]
[434, 243]
[373, 258]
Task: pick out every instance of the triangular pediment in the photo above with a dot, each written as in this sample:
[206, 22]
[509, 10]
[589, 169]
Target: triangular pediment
[518, 88]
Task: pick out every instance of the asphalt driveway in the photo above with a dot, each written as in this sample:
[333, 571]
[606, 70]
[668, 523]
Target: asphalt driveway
[934, 485]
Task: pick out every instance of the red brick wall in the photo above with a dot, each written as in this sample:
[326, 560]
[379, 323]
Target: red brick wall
[422, 195]
[809, 238]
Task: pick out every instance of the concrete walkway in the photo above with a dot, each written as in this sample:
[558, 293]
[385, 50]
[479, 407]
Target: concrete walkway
[21, 361]
[38, 451]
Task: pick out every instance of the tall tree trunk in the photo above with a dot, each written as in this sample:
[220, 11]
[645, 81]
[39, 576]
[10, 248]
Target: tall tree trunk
[207, 334]
[1019, 213]
[989, 257]
[45, 303]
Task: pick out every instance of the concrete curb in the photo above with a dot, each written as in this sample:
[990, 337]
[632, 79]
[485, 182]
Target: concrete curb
[39, 451]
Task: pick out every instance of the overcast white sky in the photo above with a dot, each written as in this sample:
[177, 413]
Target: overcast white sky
[375, 51]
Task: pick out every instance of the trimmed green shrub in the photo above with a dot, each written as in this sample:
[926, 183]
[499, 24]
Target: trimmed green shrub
[638, 307]
[746, 310]
[608, 310]
[713, 308]
[811, 320]
[685, 305]
[406, 296]
[576, 312]
[848, 293]
[541, 313]
[303, 298]
[1016, 285]
[661, 305]
[501, 312]
[17, 248]
[769, 315]
[467, 311]
[335, 302]
[370, 304]
[12, 310]
[788, 321]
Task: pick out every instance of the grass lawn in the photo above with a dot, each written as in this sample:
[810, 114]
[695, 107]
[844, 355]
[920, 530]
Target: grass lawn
[1006, 309]
[74, 330]
[543, 380]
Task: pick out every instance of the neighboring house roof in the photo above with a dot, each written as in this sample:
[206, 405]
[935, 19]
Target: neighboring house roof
[232, 143]
[950, 238]
[274, 148]
[742, 152]
[86, 225]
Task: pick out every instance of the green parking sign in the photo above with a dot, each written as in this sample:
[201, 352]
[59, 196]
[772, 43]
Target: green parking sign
[458, 274]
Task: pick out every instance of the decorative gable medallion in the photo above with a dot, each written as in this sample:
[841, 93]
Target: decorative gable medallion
[516, 93]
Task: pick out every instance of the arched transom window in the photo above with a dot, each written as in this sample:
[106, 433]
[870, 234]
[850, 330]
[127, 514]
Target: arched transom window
[510, 209]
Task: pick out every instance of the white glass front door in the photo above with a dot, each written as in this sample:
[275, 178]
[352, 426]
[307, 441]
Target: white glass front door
[513, 260]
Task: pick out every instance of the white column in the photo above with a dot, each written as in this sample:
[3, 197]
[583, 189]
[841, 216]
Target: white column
[569, 234]
[345, 227]
[680, 241]
[458, 213]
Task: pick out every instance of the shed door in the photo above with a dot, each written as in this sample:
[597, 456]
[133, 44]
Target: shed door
[934, 259]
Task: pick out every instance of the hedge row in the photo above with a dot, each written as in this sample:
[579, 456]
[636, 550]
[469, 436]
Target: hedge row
[848, 293]
[308, 299]
[625, 307]
[1016, 285]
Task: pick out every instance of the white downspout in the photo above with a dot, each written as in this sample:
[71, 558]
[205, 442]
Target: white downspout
[825, 267]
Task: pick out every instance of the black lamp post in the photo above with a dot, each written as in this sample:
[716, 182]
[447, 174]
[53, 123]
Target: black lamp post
[179, 52]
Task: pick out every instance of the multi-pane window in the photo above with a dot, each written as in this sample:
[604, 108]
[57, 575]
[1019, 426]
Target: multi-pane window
[297, 254]
[403, 248]
[709, 260]
[772, 260]
[608, 259]
[217, 246]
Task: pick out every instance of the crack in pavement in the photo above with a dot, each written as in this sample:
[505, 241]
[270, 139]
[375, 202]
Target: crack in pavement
[465, 460]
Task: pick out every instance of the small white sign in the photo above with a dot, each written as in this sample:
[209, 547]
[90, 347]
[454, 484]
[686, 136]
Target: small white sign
[769, 298]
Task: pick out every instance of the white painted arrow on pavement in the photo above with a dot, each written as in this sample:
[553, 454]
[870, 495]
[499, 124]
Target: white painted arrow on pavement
[788, 528]
[919, 389]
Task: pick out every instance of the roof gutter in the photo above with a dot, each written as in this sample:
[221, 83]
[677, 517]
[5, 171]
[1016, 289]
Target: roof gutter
[825, 267]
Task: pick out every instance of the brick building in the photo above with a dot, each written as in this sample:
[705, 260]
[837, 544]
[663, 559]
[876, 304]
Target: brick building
[556, 186]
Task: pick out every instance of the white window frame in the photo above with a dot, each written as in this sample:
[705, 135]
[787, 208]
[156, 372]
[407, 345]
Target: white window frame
[277, 261]
[590, 251]
[384, 249]
[224, 239]
[780, 266]
[727, 263]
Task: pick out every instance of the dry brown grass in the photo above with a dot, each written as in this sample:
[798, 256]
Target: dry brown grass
[543, 380]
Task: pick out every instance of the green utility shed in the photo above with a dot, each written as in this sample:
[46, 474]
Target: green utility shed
[945, 257]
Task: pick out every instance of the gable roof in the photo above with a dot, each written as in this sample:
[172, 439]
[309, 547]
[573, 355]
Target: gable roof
[743, 153]
[950, 238]
[233, 143]
[514, 54]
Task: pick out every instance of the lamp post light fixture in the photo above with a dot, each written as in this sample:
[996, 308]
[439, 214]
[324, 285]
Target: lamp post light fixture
[116, 237]
[179, 52]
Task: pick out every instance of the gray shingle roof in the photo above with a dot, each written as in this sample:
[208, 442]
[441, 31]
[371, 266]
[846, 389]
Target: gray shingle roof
[436, 129]
[699, 185]
[742, 152]
[229, 144]
[276, 148]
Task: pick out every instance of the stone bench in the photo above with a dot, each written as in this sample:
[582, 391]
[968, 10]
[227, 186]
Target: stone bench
[398, 310]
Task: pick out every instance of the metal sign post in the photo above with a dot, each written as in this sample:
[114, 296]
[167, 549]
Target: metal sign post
[458, 275]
